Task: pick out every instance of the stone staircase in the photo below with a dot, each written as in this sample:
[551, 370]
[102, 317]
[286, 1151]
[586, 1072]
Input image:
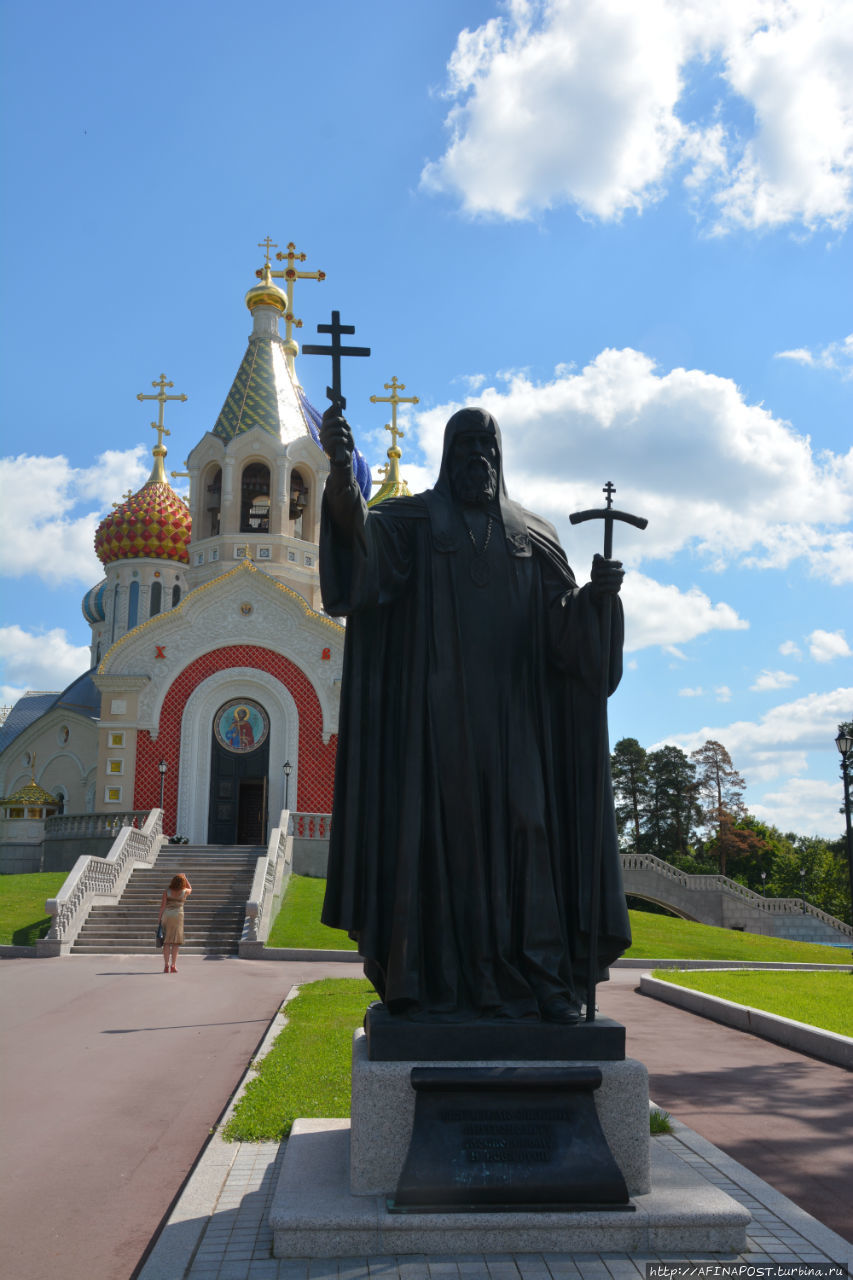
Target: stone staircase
[221, 878]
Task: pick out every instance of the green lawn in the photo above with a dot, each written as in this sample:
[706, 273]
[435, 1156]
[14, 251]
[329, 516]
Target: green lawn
[665, 937]
[307, 1070]
[822, 1000]
[22, 899]
[655, 937]
[298, 922]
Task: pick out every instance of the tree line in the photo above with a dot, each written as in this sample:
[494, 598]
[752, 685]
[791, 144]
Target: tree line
[689, 811]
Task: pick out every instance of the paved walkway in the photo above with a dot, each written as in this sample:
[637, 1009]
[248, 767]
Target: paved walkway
[220, 1228]
[114, 1075]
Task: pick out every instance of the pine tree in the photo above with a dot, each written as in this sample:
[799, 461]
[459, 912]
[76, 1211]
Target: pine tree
[671, 809]
[628, 767]
[721, 788]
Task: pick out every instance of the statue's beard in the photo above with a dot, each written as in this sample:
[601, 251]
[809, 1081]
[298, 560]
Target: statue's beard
[475, 481]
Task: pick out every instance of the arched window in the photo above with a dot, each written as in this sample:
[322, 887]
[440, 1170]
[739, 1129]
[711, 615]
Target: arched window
[156, 599]
[133, 606]
[298, 502]
[212, 499]
[176, 595]
[255, 499]
[116, 594]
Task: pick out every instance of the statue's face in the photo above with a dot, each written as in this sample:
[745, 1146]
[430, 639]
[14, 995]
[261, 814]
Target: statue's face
[474, 462]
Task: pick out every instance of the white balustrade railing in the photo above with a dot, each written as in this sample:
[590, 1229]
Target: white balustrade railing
[93, 878]
[310, 826]
[266, 886]
[705, 884]
[93, 824]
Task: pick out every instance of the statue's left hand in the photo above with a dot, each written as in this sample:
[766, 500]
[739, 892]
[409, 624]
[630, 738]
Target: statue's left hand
[606, 576]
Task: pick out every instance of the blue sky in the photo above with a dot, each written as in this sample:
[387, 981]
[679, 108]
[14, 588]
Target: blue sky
[625, 229]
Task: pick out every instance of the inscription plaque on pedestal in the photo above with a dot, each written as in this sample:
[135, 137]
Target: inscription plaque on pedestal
[496, 1138]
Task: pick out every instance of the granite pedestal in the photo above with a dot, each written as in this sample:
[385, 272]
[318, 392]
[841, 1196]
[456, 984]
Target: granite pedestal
[337, 1178]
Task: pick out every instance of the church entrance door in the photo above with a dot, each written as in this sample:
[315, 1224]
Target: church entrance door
[238, 774]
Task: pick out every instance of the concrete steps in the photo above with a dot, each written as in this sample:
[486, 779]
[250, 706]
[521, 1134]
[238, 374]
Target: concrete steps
[221, 878]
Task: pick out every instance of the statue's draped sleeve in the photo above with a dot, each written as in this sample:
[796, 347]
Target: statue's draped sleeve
[365, 557]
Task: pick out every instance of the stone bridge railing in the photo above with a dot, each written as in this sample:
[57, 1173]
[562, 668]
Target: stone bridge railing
[716, 899]
[271, 875]
[98, 879]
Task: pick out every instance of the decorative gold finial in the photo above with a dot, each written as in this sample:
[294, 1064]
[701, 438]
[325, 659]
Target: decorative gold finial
[266, 245]
[158, 474]
[289, 275]
[394, 455]
[124, 498]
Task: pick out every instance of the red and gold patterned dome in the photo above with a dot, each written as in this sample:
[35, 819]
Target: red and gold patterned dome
[153, 524]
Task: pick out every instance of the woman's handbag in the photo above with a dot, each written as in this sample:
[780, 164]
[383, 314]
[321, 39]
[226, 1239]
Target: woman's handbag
[160, 934]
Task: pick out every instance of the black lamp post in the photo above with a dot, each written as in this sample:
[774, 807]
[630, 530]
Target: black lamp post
[803, 886]
[844, 742]
[288, 770]
[162, 767]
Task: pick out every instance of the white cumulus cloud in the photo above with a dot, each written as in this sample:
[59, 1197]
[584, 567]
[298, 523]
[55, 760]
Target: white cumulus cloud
[773, 680]
[826, 645]
[808, 806]
[778, 746]
[51, 538]
[709, 471]
[807, 724]
[586, 102]
[39, 661]
[837, 356]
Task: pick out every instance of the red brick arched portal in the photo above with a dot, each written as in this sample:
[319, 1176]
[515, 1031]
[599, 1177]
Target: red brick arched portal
[316, 758]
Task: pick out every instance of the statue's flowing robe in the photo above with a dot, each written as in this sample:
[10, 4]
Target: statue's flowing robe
[461, 842]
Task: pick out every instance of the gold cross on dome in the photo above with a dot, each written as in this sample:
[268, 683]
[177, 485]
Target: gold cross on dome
[266, 244]
[162, 398]
[124, 498]
[394, 399]
[289, 275]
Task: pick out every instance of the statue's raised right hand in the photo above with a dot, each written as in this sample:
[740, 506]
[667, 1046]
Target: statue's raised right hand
[336, 437]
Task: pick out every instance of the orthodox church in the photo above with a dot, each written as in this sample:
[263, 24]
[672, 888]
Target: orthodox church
[214, 683]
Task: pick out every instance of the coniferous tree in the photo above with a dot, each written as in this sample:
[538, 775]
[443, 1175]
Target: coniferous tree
[721, 789]
[629, 770]
[671, 802]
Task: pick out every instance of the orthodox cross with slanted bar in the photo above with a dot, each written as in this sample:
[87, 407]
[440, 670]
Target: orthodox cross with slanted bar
[162, 398]
[266, 244]
[289, 275]
[394, 399]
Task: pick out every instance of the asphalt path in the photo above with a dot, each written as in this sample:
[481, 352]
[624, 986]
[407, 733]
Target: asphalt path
[784, 1115]
[111, 1077]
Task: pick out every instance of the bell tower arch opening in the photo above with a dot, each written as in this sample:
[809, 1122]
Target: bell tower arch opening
[255, 499]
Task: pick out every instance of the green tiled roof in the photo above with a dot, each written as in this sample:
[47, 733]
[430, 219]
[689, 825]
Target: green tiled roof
[255, 398]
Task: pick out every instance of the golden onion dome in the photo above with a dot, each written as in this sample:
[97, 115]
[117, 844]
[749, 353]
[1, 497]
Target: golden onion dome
[267, 294]
[153, 524]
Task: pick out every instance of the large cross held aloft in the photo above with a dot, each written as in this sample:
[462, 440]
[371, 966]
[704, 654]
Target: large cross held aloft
[335, 350]
[608, 515]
